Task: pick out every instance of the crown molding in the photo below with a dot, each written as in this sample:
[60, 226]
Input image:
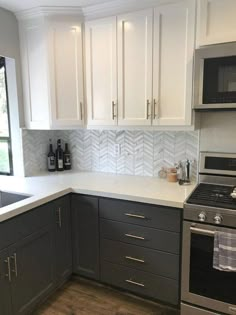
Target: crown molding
[120, 6]
[48, 11]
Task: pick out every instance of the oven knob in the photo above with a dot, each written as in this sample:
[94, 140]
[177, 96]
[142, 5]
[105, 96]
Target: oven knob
[202, 216]
[218, 219]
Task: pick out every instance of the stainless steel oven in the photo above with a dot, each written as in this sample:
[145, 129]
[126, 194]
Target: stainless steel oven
[215, 77]
[202, 284]
[210, 208]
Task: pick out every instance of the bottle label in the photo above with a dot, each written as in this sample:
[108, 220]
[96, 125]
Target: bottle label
[67, 160]
[60, 164]
[51, 163]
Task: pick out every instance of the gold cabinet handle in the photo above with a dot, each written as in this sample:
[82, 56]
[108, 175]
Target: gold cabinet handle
[148, 109]
[8, 275]
[155, 109]
[135, 259]
[114, 115]
[135, 236]
[81, 111]
[135, 283]
[15, 265]
[138, 216]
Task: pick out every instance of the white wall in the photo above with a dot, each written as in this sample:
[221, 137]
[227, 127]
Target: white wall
[218, 132]
[10, 48]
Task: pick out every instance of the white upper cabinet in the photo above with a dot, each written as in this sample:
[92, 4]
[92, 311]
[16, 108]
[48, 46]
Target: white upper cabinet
[216, 21]
[101, 71]
[174, 39]
[51, 50]
[135, 68]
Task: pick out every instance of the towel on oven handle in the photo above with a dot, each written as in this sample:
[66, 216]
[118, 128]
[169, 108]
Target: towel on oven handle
[224, 258]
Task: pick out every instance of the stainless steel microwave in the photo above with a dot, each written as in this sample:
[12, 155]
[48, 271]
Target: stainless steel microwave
[215, 77]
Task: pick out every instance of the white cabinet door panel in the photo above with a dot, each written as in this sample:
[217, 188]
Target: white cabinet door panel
[216, 21]
[135, 68]
[66, 74]
[101, 72]
[35, 74]
[174, 27]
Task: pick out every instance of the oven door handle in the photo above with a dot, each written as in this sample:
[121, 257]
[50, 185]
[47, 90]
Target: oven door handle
[202, 231]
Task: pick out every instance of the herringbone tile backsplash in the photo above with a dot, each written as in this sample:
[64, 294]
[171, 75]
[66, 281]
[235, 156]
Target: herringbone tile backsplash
[141, 152]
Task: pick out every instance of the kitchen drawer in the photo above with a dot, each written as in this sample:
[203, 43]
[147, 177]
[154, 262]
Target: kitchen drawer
[142, 214]
[141, 236]
[25, 224]
[139, 282]
[145, 259]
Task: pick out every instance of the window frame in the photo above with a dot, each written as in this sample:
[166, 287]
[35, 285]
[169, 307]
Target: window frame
[7, 139]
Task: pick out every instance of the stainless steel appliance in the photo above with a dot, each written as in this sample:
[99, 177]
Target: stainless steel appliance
[210, 208]
[215, 77]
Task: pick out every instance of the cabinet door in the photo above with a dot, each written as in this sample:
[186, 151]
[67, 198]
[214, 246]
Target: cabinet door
[216, 21]
[66, 73]
[135, 68]
[85, 236]
[32, 270]
[174, 34]
[63, 250]
[5, 281]
[101, 71]
[34, 72]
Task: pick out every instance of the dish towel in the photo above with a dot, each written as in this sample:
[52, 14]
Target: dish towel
[224, 258]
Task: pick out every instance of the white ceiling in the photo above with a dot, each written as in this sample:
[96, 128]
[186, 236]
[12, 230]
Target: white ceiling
[18, 5]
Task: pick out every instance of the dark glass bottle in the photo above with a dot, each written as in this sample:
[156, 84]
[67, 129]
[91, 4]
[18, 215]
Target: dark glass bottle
[67, 158]
[51, 159]
[59, 156]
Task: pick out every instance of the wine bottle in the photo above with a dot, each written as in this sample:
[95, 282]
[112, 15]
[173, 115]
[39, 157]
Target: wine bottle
[59, 156]
[67, 158]
[51, 159]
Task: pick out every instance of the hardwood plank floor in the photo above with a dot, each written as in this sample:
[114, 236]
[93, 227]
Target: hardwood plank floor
[83, 297]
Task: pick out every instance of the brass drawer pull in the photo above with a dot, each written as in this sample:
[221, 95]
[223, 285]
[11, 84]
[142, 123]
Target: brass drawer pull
[135, 236]
[8, 275]
[15, 263]
[135, 259]
[138, 216]
[135, 283]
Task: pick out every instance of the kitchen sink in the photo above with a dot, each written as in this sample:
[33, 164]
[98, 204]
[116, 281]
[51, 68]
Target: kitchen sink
[7, 198]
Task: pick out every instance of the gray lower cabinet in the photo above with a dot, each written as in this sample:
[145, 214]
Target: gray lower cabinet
[140, 248]
[31, 265]
[62, 233]
[85, 231]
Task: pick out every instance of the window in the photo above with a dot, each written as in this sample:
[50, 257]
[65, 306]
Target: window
[5, 135]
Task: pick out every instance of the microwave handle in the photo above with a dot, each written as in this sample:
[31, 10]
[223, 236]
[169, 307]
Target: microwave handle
[202, 231]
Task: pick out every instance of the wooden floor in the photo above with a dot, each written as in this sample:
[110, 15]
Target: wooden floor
[82, 297]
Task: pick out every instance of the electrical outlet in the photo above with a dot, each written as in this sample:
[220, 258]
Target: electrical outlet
[117, 149]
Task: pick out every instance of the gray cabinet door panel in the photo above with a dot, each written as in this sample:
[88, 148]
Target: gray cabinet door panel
[159, 217]
[63, 249]
[145, 259]
[85, 236]
[34, 263]
[141, 236]
[143, 283]
[5, 290]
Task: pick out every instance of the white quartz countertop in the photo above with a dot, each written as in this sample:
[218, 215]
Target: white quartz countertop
[47, 187]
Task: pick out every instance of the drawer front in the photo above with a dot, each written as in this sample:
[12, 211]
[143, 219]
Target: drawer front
[141, 236]
[34, 220]
[139, 282]
[25, 224]
[160, 217]
[145, 259]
